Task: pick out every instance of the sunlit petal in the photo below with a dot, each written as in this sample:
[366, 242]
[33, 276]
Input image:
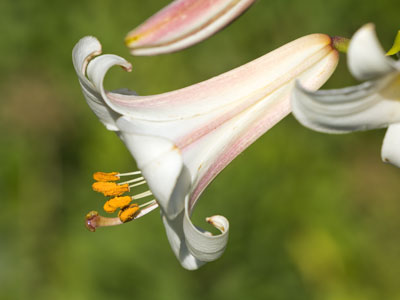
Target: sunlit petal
[366, 57]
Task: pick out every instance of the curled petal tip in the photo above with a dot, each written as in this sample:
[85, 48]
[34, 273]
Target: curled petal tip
[219, 222]
[182, 24]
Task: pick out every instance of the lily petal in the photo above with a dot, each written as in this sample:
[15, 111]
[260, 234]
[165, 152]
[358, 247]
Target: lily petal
[391, 145]
[360, 107]
[83, 52]
[182, 139]
[366, 57]
[182, 24]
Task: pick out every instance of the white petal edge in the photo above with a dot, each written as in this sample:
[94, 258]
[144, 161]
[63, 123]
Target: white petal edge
[366, 57]
[391, 145]
[83, 52]
[193, 246]
[201, 244]
[176, 238]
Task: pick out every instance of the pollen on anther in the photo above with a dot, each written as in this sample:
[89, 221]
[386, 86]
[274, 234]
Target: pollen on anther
[118, 202]
[103, 177]
[128, 213]
[110, 188]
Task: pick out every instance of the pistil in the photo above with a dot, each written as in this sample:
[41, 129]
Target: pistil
[93, 220]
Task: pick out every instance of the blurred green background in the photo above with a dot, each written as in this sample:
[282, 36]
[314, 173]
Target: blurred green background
[312, 216]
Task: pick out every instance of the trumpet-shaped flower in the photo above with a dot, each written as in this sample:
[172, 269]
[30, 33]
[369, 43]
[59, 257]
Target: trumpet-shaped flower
[182, 24]
[372, 104]
[182, 139]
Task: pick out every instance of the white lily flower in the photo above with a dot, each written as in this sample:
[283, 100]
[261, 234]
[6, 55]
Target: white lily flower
[182, 139]
[183, 23]
[372, 104]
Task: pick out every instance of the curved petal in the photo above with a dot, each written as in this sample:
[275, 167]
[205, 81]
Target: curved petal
[202, 244]
[176, 238]
[182, 24]
[373, 104]
[87, 48]
[193, 246]
[83, 52]
[366, 58]
[391, 145]
[97, 69]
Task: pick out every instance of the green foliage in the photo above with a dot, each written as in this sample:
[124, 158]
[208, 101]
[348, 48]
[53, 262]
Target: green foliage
[312, 216]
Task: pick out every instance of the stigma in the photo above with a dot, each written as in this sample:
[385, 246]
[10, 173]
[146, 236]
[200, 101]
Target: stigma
[108, 184]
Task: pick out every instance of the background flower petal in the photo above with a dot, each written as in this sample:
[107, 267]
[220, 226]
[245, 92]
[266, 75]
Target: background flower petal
[182, 24]
[360, 107]
[366, 57]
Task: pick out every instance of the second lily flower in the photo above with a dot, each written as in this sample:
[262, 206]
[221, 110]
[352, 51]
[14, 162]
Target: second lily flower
[372, 104]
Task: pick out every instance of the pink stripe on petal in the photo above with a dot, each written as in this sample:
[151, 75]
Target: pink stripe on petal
[181, 20]
[271, 117]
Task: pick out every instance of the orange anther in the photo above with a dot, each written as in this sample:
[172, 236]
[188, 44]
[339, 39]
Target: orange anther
[128, 213]
[110, 188]
[101, 176]
[118, 202]
[108, 208]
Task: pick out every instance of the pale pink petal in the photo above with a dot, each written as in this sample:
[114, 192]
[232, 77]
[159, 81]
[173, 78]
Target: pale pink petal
[182, 24]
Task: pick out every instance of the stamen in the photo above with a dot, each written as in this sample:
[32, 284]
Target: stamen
[128, 213]
[148, 203]
[151, 205]
[142, 195]
[132, 180]
[130, 173]
[103, 177]
[137, 184]
[118, 202]
[110, 188]
[105, 184]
